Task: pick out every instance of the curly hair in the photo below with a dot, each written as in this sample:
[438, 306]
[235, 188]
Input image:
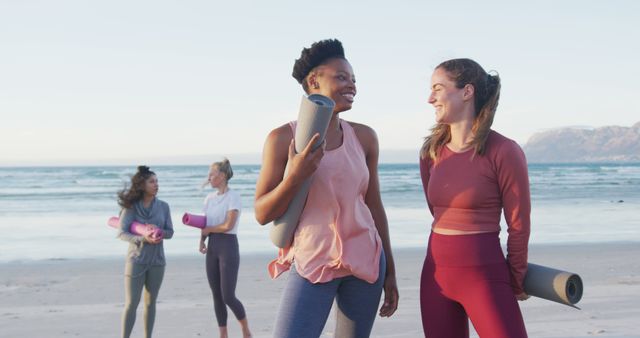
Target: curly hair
[314, 56]
[128, 196]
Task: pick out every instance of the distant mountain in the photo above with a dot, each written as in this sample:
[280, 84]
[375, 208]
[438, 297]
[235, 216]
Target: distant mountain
[605, 144]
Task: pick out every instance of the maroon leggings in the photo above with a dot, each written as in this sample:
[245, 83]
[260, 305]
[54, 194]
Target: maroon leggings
[467, 277]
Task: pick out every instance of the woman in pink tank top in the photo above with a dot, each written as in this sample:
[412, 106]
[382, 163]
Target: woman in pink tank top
[341, 247]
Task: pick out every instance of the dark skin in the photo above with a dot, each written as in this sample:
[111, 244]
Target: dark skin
[274, 191]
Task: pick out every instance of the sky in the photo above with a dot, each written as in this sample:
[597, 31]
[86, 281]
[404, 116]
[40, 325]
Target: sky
[125, 82]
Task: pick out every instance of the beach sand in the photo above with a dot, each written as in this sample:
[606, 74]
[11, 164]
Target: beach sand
[84, 298]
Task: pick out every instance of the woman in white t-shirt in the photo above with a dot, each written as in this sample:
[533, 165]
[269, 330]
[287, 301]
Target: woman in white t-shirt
[222, 209]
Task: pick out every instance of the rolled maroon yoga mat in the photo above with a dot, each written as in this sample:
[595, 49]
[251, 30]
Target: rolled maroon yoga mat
[136, 228]
[197, 221]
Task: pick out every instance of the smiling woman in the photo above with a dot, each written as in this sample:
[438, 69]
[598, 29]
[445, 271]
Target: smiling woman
[341, 244]
[470, 174]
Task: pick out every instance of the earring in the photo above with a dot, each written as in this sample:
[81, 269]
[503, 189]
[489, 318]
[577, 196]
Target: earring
[315, 85]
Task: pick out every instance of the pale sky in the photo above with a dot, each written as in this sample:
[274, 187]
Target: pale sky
[90, 81]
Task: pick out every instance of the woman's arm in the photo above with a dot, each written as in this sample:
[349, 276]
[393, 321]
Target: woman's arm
[229, 221]
[513, 179]
[274, 191]
[167, 231]
[425, 163]
[127, 216]
[369, 141]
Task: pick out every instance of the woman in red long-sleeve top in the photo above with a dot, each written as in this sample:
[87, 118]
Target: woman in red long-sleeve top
[471, 174]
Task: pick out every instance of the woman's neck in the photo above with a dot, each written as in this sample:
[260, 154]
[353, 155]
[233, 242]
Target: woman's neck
[461, 135]
[147, 199]
[334, 123]
[222, 189]
[333, 138]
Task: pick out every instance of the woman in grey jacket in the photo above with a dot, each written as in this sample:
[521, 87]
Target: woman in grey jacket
[145, 263]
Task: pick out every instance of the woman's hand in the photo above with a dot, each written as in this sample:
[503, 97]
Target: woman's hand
[283, 172]
[205, 231]
[203, 247]
[522, 296]
[150, 234]
[390, 296]
[305, 163]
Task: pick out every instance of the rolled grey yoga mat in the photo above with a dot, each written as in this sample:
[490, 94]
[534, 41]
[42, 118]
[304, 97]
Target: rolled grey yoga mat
[314, 116]
[554, 285]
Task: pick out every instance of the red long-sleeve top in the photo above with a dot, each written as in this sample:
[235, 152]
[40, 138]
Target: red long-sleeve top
[468, 192]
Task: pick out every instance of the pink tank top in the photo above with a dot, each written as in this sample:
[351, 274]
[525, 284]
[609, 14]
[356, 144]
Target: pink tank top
[336, 235]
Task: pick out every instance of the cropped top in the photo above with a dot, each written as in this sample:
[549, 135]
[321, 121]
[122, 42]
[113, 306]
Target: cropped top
[466, 191]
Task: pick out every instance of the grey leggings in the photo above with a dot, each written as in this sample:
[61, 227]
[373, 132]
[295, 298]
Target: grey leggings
[223, 262]
[135, 279]
[305, 306]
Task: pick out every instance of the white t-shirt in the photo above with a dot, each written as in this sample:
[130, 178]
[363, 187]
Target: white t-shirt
[216, 208]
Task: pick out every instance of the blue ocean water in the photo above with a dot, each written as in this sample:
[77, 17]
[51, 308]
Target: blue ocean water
[61, 212]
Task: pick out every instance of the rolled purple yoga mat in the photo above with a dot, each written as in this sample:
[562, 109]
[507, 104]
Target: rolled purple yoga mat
[197, 221]
[136, 228]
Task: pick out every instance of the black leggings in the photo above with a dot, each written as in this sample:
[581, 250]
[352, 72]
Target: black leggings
[223, 262]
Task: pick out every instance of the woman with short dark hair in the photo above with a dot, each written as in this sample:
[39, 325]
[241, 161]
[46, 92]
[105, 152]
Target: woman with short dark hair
[341, 247]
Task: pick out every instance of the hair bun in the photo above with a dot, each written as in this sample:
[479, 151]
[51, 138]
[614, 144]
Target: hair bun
[143, 169]
[314, 56]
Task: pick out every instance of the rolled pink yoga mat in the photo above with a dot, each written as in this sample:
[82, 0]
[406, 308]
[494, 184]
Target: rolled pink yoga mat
[197, 221]
[136, 228]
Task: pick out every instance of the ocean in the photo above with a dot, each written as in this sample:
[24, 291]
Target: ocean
[61, 212]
